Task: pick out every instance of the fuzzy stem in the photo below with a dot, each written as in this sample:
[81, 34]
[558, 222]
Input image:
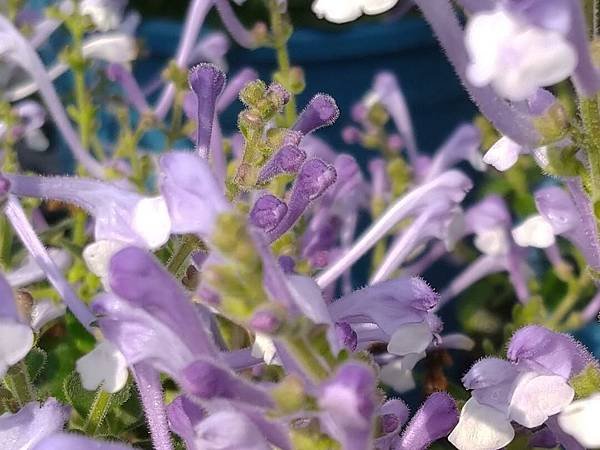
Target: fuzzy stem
[505, 118]
[37, 70]
[150, 389]
[98, 412]
[195, 17]
[18, 219]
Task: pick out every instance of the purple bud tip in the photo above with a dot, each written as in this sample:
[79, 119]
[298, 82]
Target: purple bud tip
[434, 420]
[115, 71]
[351, 135]
[314, 178]
[425, 297]
[207, 81]
[280, 93]
[287, 264]
[321, 111]
[291, 158]
[4, 186]
[205, 380]
[265, 322]
[268, 212]
[359, 112]
[390, 423]
[292, 138]
[288, 159]
[346, 335]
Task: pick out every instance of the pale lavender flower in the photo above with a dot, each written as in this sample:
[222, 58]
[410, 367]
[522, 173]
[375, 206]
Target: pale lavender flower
[30, 272]
[348, 403]
[393, 414]
[528, 389]
[63, 441]
[268, 211]
[194, 198]
[32, 424]
[570, 215]
[133, 93]
[211, 48]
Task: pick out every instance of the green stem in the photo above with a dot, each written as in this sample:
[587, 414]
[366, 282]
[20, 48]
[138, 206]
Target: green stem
[188, 244]
[574, 290]
[97, 413]
[300, 349]
[19, 384]
[283, 58]
[590, 115]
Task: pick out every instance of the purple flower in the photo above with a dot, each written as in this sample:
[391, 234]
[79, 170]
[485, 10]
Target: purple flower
[348, 404]
[32, 424]
[321, 111]
[434, 420]
[570, 216]
[207, 81]
[393, 414]
[395, 312]
[193, 197]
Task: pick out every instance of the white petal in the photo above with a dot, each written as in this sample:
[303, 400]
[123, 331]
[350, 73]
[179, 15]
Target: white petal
[97, 257]
[16, 339]
[104, 15]
[410, 338]
[106, 366]
[264, 348]
[337, 11]
[397, 377]
[110, 47]
[45, 311]
[493, 241]
[309, 298]
[536, 397]
[377, 6]
[580, 420]
[151, 221]
[481, 427]
[535, 231]
[503, 154]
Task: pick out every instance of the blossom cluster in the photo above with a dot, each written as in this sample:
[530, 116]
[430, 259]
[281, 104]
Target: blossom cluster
[209, 295]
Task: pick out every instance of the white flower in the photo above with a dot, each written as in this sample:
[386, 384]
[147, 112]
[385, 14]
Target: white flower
[535, 231]
[264, 348]
[516, 58]
[16, 339]
[410, 338]
[503, 154]
[398, 373]
[111, 47]
[104, 366]
[341, 11]
[580, 420]
[493, 241]
[97, 257]
[537, 397]
[481, 427]
[105, 14]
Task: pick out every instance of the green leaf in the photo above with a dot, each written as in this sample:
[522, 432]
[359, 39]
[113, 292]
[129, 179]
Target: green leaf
[36, 361]
[587, 382]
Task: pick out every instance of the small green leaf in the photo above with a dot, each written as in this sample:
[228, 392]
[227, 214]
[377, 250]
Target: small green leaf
[587, 382]
[36, 361]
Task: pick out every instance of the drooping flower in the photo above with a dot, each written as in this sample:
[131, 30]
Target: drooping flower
[105, 367]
